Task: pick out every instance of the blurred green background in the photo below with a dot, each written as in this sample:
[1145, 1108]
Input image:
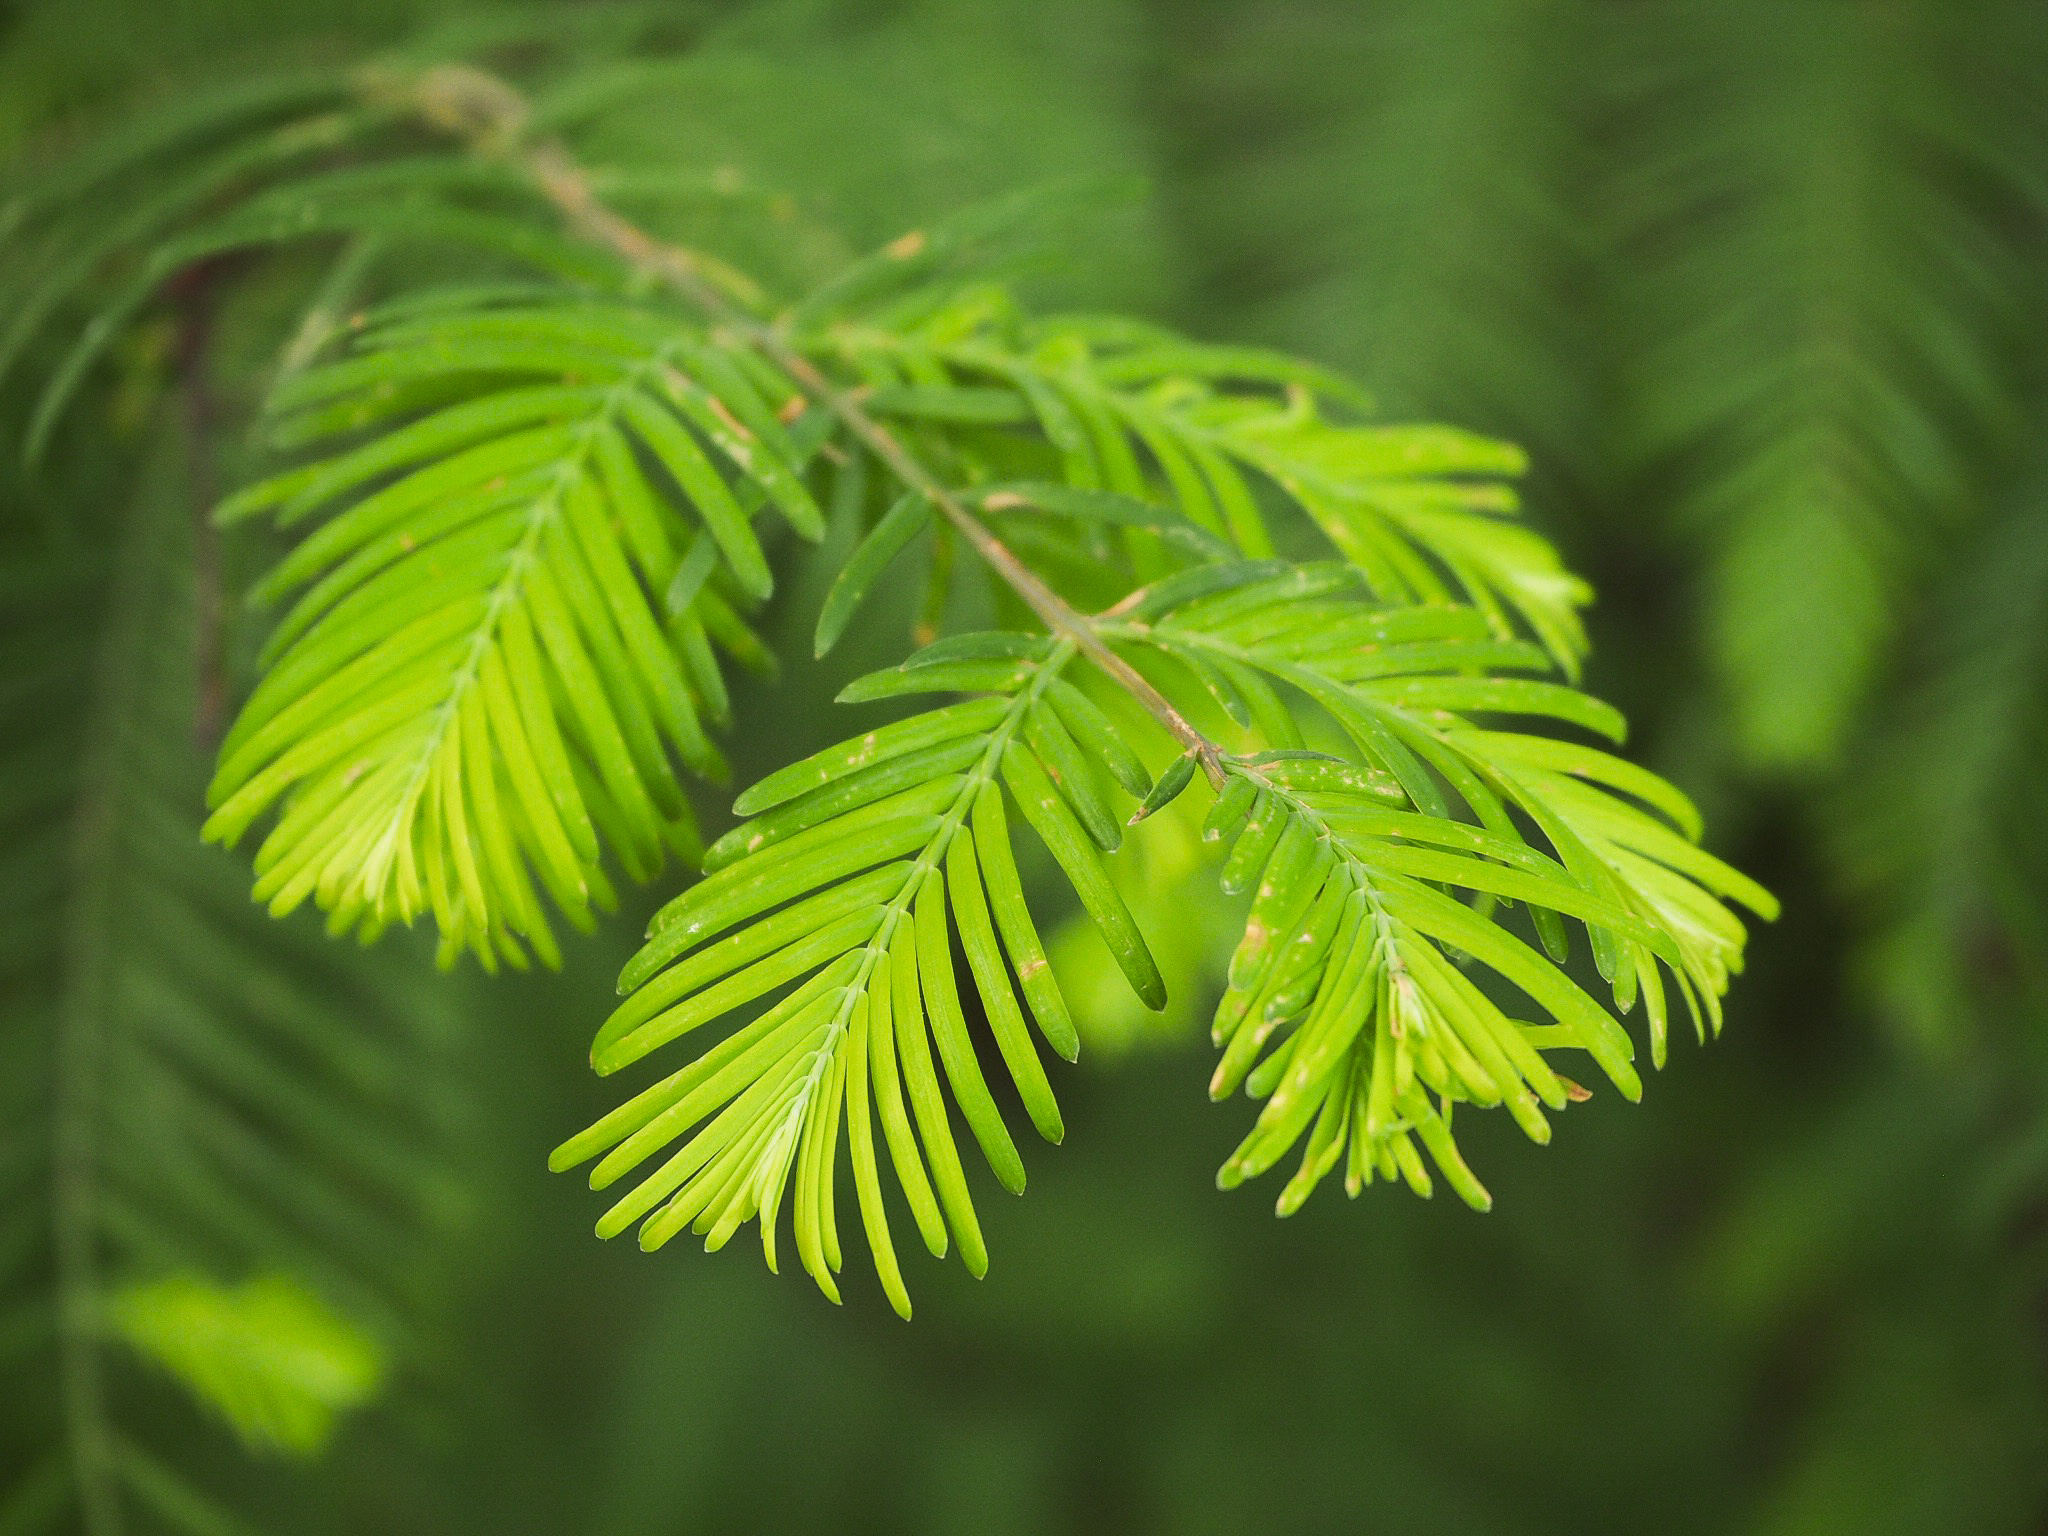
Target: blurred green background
[1763, 287]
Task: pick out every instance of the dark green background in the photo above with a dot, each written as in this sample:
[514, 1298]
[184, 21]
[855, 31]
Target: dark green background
[1761, 284]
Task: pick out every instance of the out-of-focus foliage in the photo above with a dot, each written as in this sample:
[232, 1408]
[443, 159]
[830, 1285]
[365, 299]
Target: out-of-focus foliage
[276, 1361]
[1827, 234]
[195, 1094]
[1756, 284]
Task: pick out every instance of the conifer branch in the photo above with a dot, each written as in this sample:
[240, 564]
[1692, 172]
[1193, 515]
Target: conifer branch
[81, 1050]
[533, 531]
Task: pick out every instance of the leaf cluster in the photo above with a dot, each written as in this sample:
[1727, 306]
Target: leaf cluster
[532, 508]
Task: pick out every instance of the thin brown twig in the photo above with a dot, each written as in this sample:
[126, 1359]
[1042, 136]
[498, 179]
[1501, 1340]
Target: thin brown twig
[490, 116]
